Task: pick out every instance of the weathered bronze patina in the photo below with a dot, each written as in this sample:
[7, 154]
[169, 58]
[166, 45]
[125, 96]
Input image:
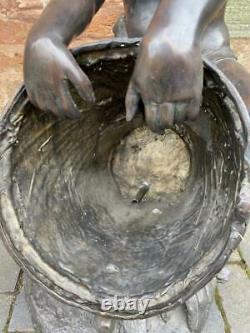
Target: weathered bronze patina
[66, 222]
[80, 224]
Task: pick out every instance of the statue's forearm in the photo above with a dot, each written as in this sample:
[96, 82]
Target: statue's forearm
[185, 20]
[64, 19]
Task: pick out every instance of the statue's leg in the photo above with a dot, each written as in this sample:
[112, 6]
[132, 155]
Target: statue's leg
[49, 315]
[215, 41]
[195, 316]
[199, 306]
[53, 316]
[216, 47]
[136, 19]
[120, 29]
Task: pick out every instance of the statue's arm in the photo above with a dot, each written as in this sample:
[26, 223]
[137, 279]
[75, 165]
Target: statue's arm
[48, 64]
[65, 19]
[168, 75]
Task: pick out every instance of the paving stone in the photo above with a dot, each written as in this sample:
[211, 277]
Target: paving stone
[236, 300]
[21, 320]
[215, 323]
[234, 257]
[245, 247]
[9, 270]
[5, 302]
[224, 275]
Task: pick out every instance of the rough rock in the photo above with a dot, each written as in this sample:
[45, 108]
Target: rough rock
[160, 160]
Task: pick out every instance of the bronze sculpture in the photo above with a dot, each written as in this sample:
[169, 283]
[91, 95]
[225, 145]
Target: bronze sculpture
[168, 74]
[168, 77]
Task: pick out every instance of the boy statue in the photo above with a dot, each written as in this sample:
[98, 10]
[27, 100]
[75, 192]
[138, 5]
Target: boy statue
[168, 76]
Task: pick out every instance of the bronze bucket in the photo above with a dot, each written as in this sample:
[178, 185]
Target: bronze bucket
[65, 221]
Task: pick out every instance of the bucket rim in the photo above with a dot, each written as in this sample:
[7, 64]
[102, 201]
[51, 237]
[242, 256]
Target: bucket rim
[61, 286]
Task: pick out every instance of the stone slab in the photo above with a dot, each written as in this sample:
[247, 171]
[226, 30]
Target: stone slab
[236, 300]
[224, 275]
[9, 270]
[5, 303]
[21, 320]
[215, 323]
[235, 257]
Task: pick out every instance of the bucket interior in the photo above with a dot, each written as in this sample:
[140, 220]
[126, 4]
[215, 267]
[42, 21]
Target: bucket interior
[72, 209]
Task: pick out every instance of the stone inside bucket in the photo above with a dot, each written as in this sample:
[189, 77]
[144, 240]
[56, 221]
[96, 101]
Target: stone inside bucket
[73, 185]
[159, 162]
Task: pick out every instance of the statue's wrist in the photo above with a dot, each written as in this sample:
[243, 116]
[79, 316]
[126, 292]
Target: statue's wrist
[171, 39]
[173, 32]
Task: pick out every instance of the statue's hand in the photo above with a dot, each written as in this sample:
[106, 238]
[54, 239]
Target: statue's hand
[169, 81]
[48, 68]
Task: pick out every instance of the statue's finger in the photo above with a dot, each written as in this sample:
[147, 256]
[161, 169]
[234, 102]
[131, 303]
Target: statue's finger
[46, 100]
[82, 84]
[152, 116]
[160, 116]
[193, 109]
[180, 112]
[132, 101]
[65, 103]
[167, 111]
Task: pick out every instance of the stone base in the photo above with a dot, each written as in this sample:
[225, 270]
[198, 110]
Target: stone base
[198, 315]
